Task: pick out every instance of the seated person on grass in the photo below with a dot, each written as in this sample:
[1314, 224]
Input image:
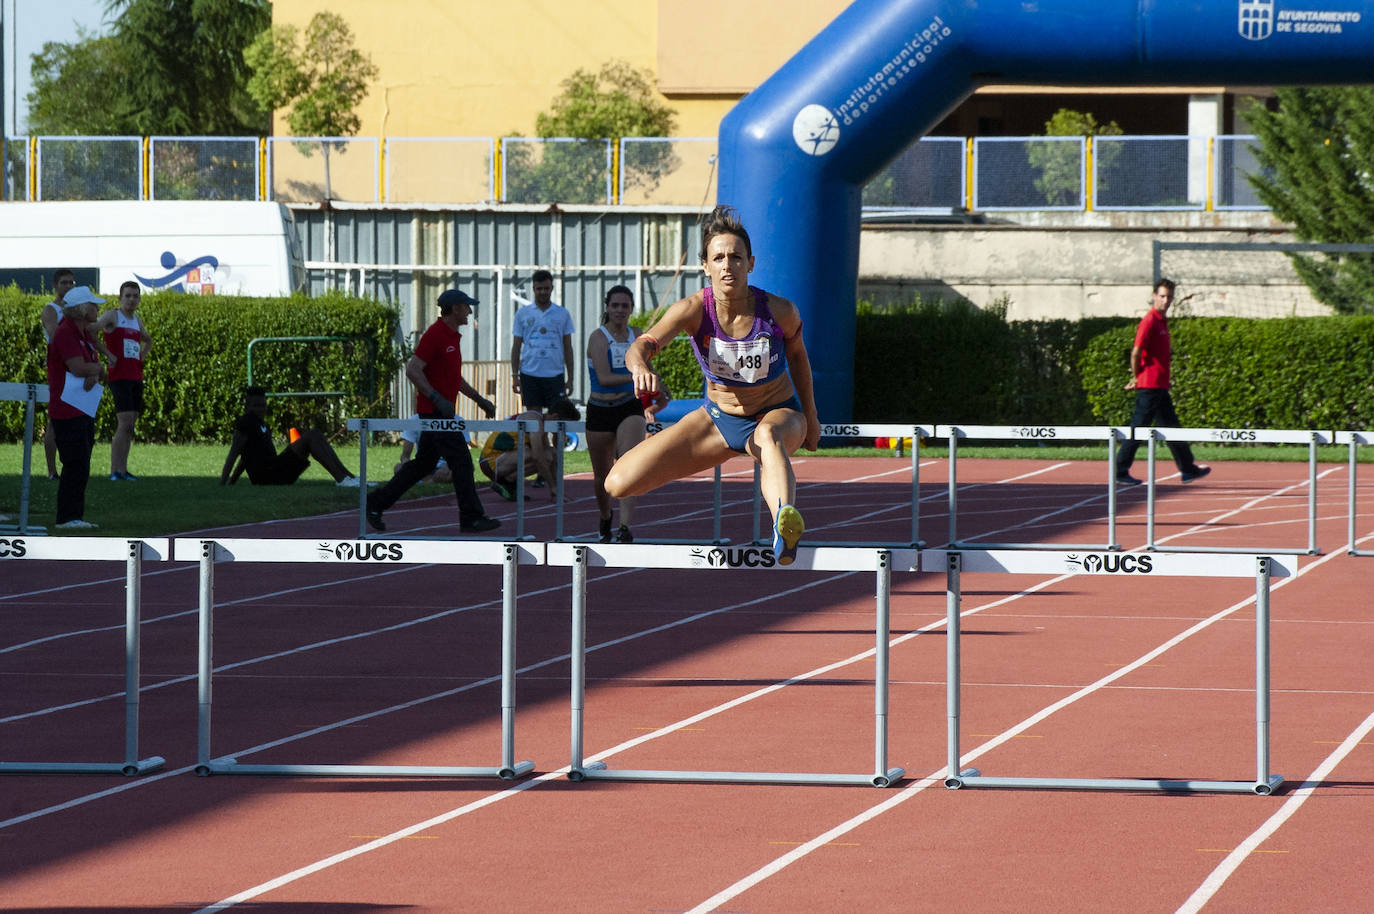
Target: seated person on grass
[499, 455]
[253, 451]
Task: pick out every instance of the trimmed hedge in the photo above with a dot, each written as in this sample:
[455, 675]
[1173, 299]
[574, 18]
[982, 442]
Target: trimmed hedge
[1297, 373]
[198, 365]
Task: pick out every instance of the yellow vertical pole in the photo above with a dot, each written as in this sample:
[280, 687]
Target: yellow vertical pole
[262, 168]
[1211, 173]
[968, 174]
[615, 170]
[146, 165]
[496, 165]
[33, 169]
[1088, 186]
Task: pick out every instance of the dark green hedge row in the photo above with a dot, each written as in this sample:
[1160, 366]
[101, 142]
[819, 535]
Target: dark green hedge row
[933, 361]
[1293, 373]
[197, 369]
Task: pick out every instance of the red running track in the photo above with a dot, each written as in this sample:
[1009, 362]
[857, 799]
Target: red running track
[1066, 677]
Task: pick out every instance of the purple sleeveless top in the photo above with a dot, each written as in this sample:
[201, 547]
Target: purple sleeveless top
[755, 359]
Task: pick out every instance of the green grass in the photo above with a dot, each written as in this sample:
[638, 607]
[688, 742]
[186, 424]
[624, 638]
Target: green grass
[179, 491]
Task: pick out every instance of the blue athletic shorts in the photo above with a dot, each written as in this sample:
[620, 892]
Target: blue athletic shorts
[737, 429]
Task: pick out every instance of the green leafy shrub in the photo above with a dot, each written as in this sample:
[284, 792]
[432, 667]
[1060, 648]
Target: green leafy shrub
[198, 367]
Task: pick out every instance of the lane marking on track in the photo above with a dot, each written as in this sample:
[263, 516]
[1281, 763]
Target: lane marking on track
[1217, 878]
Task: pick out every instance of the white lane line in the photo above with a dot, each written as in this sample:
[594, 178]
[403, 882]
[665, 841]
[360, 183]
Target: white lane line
[1224, 870]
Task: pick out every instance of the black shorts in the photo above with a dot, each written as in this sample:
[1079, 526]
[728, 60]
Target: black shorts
[539, 393]
[128, 396]
[281, 470]
[608, 418]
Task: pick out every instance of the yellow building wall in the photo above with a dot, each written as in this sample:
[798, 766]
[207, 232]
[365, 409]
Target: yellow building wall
[484, 68]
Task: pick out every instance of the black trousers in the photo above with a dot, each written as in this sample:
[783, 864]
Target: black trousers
[75, 441]
[1154, 406]
[453, 447]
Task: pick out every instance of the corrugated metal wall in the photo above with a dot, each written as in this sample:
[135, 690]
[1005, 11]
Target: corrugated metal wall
[407, 256]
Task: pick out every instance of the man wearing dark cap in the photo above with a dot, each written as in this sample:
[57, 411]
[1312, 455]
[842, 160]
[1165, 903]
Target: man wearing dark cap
[436, 370]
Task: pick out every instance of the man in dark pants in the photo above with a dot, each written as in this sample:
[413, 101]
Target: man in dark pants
[1150, 357]
[72, 361]
[436, 370]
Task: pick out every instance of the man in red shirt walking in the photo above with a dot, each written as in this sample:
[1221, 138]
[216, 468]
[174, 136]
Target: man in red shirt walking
[436, 370]
[1150, 380]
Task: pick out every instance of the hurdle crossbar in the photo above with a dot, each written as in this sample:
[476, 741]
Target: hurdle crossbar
[109, 549]
[716, 558]
[1263, 568]
[29, 395]
[841, 430]
[1245, 435]
[1039, 433]
[560, 429]
[364, 551]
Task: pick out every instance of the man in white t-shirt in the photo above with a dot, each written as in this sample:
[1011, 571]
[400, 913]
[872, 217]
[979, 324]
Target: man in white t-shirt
[541, 353]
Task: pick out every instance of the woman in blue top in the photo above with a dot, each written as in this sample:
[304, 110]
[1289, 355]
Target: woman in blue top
[749, 344]
[615, 416]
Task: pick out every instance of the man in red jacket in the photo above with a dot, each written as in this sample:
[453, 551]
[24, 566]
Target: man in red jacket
[436, 370]
[1150, 357]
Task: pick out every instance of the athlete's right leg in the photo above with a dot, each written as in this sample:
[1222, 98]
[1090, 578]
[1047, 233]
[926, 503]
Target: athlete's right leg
[689, 446]
[601, 449]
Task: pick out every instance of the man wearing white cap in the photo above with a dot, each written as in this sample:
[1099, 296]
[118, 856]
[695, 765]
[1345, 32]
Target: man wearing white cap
[72, 360]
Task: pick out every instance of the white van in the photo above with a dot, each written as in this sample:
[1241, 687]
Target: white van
[198, 247]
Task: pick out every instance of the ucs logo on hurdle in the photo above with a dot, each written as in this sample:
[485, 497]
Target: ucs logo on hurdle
[361, 551]
[733, 557]
[1109, 563]
[13, 548]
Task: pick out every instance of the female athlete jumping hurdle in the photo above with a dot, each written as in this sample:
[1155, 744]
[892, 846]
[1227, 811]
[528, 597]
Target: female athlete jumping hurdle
[759, 404]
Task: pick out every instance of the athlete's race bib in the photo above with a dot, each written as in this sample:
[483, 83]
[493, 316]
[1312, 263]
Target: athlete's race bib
[616, 351]
[132, 349]
[739, 360]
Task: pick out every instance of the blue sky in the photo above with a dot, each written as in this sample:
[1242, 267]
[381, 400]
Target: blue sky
[27, 25]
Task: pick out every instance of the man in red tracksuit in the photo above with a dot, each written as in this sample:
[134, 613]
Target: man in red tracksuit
[436, 370]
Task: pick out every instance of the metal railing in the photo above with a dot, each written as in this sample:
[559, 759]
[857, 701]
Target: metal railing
[949, 174]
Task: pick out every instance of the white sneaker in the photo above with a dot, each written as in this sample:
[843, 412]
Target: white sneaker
[348, 482]
[77, 524]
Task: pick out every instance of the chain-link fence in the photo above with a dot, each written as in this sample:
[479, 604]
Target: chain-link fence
[555, 170]
[1029, 173]
[930, 173]
[658, 171]
[436, 169]
[1149, 172]
[90, 168]
[1235, 160]
[203, 168]
[306, 169]
[14, 168]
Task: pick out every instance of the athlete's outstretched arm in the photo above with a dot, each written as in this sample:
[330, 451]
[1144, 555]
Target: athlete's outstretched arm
[798, 366]
[682, 317]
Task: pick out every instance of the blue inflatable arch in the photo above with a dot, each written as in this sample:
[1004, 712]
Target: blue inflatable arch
[796, 153]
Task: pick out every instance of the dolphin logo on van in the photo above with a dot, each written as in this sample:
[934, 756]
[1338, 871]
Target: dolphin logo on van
[168, 262]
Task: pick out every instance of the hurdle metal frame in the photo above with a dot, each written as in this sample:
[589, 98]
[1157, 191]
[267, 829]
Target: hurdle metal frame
[29, 395]
[1354, 441]
[838, 430]
[1227, 435]
[956, 562]
[1061, 433]
[560, 429]
[294, 551]
[110, 549]
[580, 556]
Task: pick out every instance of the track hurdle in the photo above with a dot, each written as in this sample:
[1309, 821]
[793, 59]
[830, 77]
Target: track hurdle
[387, 552]
[29, 395]
[829, 430]
[1209, 565]
[723, 559]
[1040, 433]
[107, 549]
[1231, 435]
[1353, 441]
[560, 429]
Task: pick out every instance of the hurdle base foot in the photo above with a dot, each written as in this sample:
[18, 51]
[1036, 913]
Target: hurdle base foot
[151, 763]
[956, 781]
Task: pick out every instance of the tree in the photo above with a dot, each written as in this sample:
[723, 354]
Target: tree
[1316, 156]
[1060, 165]
[321, 82]
[168, 67]
[617, 101]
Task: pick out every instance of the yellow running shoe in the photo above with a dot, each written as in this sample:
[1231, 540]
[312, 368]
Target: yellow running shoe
[787, 532]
